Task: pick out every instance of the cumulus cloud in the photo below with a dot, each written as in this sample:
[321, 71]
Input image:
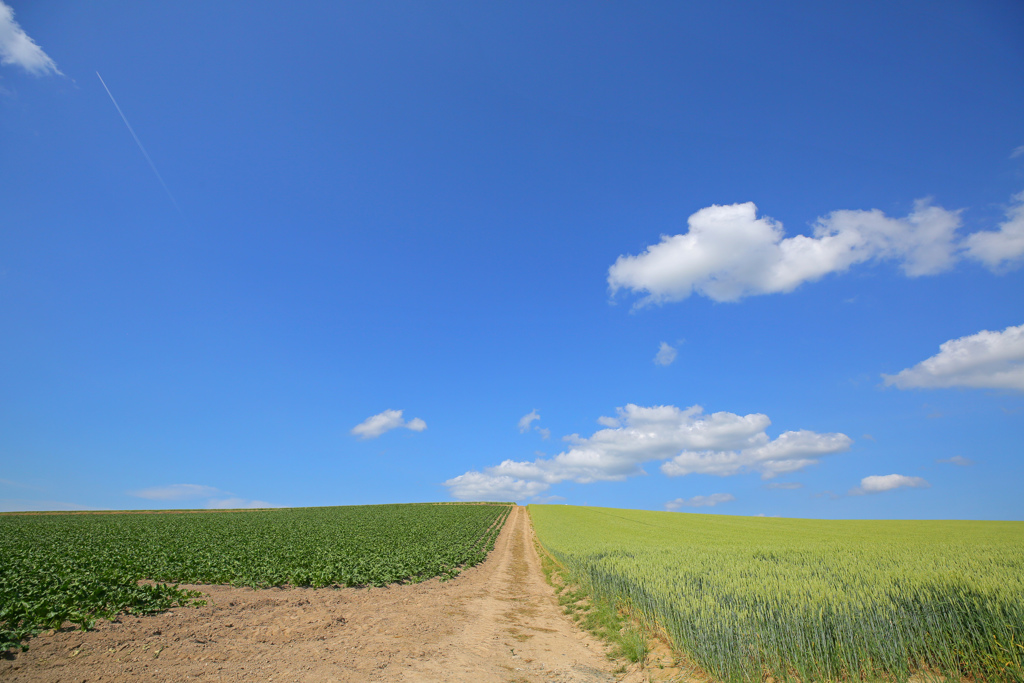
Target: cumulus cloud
[700, 501]
[729, 253]
[526, 420]
[986, 360]
[416, 424]
[687, 440]
[957, 460]
[175, 492]
[666, 354]
[887, 482]
[479, 486]
[375, 425]
[18, 49]
[998, 249]
[790, 452]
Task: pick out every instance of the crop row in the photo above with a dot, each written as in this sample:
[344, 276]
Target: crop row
[808, 600]
[78, 568]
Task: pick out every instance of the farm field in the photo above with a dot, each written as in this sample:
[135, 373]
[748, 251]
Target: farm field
[812, 600]
[495, 622]
[81, 568]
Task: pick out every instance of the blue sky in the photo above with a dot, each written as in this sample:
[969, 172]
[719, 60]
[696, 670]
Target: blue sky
[748, 258]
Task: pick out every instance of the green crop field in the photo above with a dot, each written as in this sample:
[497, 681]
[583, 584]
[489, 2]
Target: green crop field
[78, 568]
[809, 600]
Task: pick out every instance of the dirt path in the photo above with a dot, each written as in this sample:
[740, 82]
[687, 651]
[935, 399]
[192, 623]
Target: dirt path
[497, 622]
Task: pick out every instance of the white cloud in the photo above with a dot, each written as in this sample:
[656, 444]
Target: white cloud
[17, 48]
[998, 249]
[728, 253]
[986, 360]
[720, 443]
[526, 423]
[176, 492]
[1019, 151]
[790, 486]
[375, 425]
[217, 499]
[526, 420]
[887, 482]
[666, 354]
[477, 486]
[548, 500]
[700, 501]
[790, 452]
[237, 504]
[957, 460]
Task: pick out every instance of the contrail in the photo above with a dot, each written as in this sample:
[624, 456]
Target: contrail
[139, 143]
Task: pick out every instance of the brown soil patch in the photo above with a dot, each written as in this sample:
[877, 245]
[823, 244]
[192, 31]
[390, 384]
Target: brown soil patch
[496, 622]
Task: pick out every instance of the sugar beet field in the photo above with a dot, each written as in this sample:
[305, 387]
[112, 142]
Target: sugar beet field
[745, 599]
[79, 568]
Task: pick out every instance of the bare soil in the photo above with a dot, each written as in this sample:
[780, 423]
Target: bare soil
[496, 622]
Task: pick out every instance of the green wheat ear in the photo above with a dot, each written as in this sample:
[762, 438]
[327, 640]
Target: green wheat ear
[809, 600]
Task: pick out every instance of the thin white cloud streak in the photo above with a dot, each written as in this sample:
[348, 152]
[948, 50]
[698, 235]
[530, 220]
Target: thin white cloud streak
[887, 482]
[986, 360]
[788, 486]
[526, 420]
[958, 460]
[378, 424]
[176, 492]
[139, 143]
[18, 484]
[666, 355]
[548, 500]
[700, 501]
[18, 49]
[728, 253]
[237, 504]
[26, 505]
[686, 441]
[216, 499]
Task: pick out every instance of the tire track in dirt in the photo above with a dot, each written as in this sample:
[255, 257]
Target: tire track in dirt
[512, 628]
[497, 622]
